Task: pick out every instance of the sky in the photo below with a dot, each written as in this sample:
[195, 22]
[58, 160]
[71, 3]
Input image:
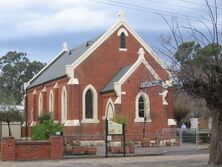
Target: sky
[39, 28]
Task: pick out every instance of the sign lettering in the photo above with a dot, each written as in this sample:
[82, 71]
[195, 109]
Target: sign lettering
[114, 128]
[150, 83]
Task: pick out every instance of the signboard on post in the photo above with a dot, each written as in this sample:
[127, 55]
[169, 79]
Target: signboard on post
[114, 128]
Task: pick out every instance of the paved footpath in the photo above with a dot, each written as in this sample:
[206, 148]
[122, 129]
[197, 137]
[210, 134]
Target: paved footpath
[197, 160]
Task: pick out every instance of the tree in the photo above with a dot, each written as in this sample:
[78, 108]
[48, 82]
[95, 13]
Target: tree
[15, 70]
[186, 106]
[198, 68]
[10, 115]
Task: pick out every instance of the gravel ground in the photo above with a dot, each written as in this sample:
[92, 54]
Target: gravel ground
[195, 160]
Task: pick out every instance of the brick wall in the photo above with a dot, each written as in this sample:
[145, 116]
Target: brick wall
[32, 150]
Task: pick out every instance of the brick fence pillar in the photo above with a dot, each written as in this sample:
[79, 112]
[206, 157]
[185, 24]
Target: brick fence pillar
[57, 147]
[8, 148]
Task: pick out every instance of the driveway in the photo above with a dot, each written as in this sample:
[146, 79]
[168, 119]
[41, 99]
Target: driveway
[199, 160]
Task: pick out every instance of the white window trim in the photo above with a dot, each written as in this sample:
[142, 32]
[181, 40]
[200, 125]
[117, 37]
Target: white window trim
[110, 101]
[51, 102]
[147, 110]
[122, 30]
[40, 104]
[95, 105]
[64, 105]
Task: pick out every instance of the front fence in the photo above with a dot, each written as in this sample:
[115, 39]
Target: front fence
[166, 140]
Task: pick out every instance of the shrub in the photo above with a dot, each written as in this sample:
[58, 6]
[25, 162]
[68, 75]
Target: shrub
[120, 119]
[44, 117]
[44, 130]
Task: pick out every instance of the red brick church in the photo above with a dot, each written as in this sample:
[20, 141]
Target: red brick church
[114, 73]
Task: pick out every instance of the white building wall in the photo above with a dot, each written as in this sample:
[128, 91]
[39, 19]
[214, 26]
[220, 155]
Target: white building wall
[15, 128]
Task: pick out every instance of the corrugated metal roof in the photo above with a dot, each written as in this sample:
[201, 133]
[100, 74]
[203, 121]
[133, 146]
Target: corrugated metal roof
[110, 85]
[58, 67]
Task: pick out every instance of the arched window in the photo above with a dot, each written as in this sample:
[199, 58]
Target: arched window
[51, 102]
[90, 105]
[122, 33]
[142, 106]
[110, 110]
[40, 104]
[64, 105]
[122, 40]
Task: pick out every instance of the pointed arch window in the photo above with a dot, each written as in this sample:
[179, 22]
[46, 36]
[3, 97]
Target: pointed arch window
[64, 105]
[40, 104]
[122, 33]
[142, 106]
[90, 105]
[110, 109]
[51, 102]
[122, 40]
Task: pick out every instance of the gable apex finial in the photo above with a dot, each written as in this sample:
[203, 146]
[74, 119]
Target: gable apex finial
[65, 47]
[141, 53]
[122, 15]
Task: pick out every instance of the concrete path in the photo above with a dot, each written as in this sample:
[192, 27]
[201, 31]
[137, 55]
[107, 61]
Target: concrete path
[197, 160]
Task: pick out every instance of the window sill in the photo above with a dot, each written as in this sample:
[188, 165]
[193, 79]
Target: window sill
[142, 120]
[56, 121]
[33, 123]
[63, 121]
[122, 49]
[87, 121]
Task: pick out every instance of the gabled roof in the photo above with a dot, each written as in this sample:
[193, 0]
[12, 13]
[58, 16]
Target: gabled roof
[110, 85]
[57, 68]
[67, 61]
[120, 22]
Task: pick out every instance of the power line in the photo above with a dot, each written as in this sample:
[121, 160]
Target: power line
[197, 3]
[169, 4]
[150, 10]
[180, 6]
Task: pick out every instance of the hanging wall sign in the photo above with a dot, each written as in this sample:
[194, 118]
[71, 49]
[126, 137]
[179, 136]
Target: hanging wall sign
[115, 128]
[151, 83]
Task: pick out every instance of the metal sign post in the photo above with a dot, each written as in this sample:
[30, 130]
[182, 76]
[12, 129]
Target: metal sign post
[124, 140]
[106, 141]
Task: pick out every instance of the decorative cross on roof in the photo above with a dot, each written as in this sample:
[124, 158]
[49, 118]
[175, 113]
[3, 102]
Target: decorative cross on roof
[122, 15]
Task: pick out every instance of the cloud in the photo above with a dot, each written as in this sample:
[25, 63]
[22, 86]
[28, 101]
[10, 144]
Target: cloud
[69, 20]
[31, 18]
